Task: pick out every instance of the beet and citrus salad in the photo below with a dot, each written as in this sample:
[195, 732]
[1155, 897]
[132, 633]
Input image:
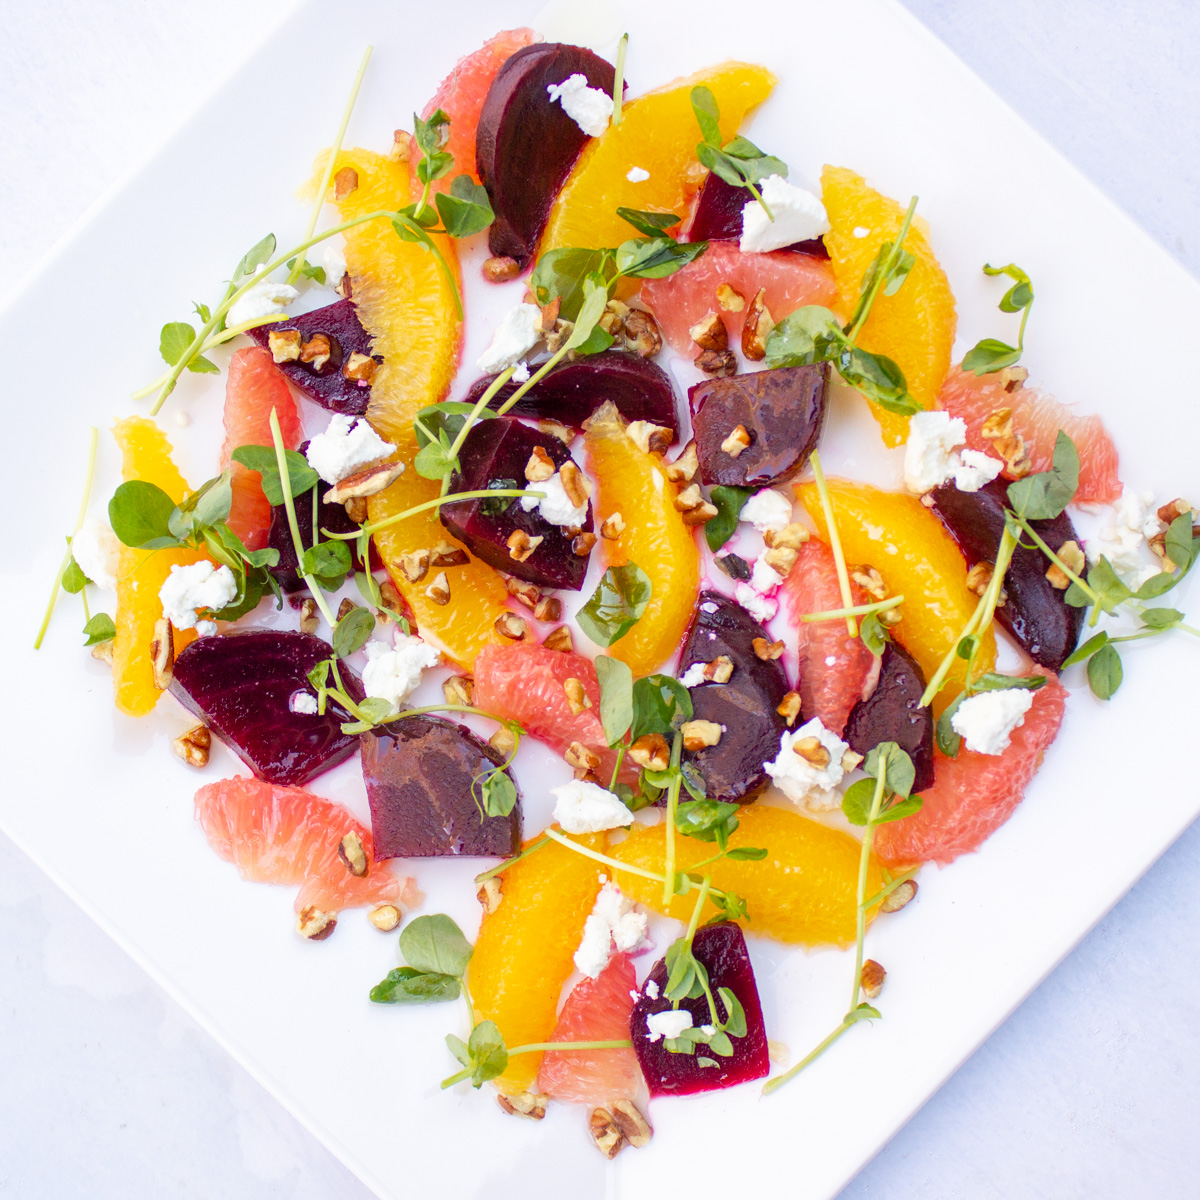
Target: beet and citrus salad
[602, 567]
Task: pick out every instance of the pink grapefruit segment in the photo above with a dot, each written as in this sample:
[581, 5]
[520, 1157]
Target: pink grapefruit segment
[791, 280]
[1037, 417]
[275, 834]
[974, 794]
[597, 1010]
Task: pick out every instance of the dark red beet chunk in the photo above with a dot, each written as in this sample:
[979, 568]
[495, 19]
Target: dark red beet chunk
[718, 216]
[722, 950]
[893, 713]
[418, 774]
[240, 686]
[571, 392]
[498, 450]
[1037, 614]
[328, 386]
[526, 145]
[783, 411]
[733, 768]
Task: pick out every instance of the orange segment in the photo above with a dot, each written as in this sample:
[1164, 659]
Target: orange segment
[634, 483]
[145, 454]
[915, 327]
[658, 132]
[406, 304]
[804, 892]
[524, 951]
[898, 536]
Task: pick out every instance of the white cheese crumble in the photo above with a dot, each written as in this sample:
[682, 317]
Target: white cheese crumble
[931, 455]
[985, 720]
[555, 506]
[798, 214]
[612, 925]
[519, 331]
[347, 444]
[96, 549]
[767, 509]
[584, 807]
[264, 299]
[761, 608]
[588, 107]
[520, 373]
[195, 586]
[669, 1024]
[975, 469]
[861, 231]
[693, 676]
[333, 259]
[802, 781]
[303, 702]
[392, 674]
[1124, 540]
[652, 989]
[637, 175]
[764, 579]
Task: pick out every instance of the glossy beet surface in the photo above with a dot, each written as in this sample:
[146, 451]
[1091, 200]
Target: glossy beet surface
[498, 450]
[733, 768]
[892, 713]
[718, 217]
[418, 774]
[722, 950]
[240, 686]
[328, 386]
[783, 411]
[570, 393]
[1037, 614]
[526, 145]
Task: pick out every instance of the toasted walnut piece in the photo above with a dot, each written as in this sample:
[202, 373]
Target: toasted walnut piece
[557, 429]
[684, 468]
[1158, 543]
[351, 852]
[385, 917]
[606, 1133]
[529, 594]
[1011, 378]
[850, 759]
[524, 1104]
[695, 509]
[781, 559]
[439, 590]
[346, 606]
[284, 345]
[500, 269]
[103, 651]
[315, 924]
[509, 625]
[193, 747]
[720, 670]
[459, 689]
[1015, 454]
[709, 333]
[896, 899]
[699, 734]
[1072, 557]
[729, 298]
[870, 581]
[718, 363]
[414, 565]
[317, 351]
[581, 758]
[790, 537]
[345, 286]
[402, 142]
[737, 441]
[582, 543]
[446, 554]
[641, 334]
[344, 182]
[309, 619]
[356, 509]
[390, 596]
[557, 337]
[162, 653]
[613, 527]
[648, 437]
[540, 466]
[652, 752]
[550, 314]
[612, 321]
[360, 368]
[490, 893]
[998, 424]
[872, 978]
[559, 639]
[979, 576]
[521, 545]
[1170, 512]
[503, 741]
[575, 483]
[811, 750]
[789, 708]
[757, 328]
[767, 651]
[549, 608]
[632, 1123]
[577, 697]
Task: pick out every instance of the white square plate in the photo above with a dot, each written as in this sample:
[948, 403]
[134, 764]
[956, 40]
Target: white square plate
[101, 804]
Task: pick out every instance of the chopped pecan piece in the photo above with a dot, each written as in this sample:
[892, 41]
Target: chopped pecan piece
[737, 441]
[729, 298]
[439, 590]
[699, 734]
[511, 626]
[194, 746]
[540, 466]
[684, 468]
[446, 554]
[718, 363]
[521, 545]
[414, 565]
[548, 608]
[560, 639]
[758, 326]
[284, 345]
[500, 269]
[709, 333]
[360, 368]
[789, 708]
[652, 752]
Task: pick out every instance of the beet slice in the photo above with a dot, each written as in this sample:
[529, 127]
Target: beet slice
[722, 950]
[418, 774]
[746, 705]
[783, 411]
[893, 713]
[572, 391]
[1037, 614]
[240, 685]
[498, 450]
[328, 386]
[526, 145]
[718, 217]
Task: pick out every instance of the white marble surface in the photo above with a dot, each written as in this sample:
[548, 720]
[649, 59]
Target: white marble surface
[109, 1090]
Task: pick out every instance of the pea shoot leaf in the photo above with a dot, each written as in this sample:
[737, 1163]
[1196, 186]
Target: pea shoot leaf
[465, 209]
[262, 459]
[1043, 496]
[874, 634]
[993, 355]
[308, 271]
[706, 820]
[1161, 618]
[484, 1055]
[436, 944]
[406, 985]
[140, 515]
[258, 255]
[616, 605]
[949, 741]
[891, 763]
[498, 793]
[990, 681]
[660, 704]
[652, 224]
[729, 502]
[990, 355]
[101, 628]
[857, 801]
[560, 273]
[1105, 672]
[353, 631]
[74, 580]
[616, 697]
[1087, 649]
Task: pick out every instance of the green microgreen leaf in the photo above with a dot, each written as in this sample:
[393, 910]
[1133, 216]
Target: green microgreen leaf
[140, 515]
[708, 114]
[729, 502]
[257, 256]
[1179, 543]
[706, 820]
[1161, 618]
[616, 697]
[307, 271]
[1088, 648]
[874, 634]
[616, 605]
[328, 562]
[465, 210]
[1044, 496]
[174, 340]
[990, 681]
[406, 985]
[652, 224]
[435, 944]
[262, 459]
[990, 355]
[560, 273]
[893, 765]
[74, 580]
[660, 704]
[993, 355]
[747, 853]
[949, 741]
[1104, 672]
[101, 628]
[353, 631]
[857, 800]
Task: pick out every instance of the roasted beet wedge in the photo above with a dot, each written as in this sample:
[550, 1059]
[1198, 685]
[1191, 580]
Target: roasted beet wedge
[328, 385]
[418, 774]
[783, 411]
[526, 145]
[571, 392]
[893, 713]
[746, 705]
[1036, 613]
[496, 453]
[718, 217]
[241, 685]
[722, 950]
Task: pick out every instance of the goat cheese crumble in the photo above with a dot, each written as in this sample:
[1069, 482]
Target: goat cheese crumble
[519, 331]
[637, 175]
[798, 214]
[761, 608]
[347, 445]
[764, 579]
[303, 702]
[556, 506]
[693, 676]
[392, 673]
[584, 807]
[264, 299]
[803, 781]
[767, 510]
[668, 1024]
[1124, 540]
[96, 549]
[931, 455]
[520, 373]
[195, 586]
[588, 107]
[985, 721]
[651, 989]
[333, 258]
[613, 924]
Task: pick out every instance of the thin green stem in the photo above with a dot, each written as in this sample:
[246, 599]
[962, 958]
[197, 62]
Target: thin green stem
[619, 78]
[1082, 584]
[672, 808]
[484, 876]
[460, 1077]
[588, 852]
[473, 415]
[617, 768]
[773, 1084]
[702, 895]
[420, 508]
[881, 274]
[860, 610]
[885, 892]
[542, 1047]
[835, 543]
[1188, 629]
[758, 196]
[864, 862]
[541, 372]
